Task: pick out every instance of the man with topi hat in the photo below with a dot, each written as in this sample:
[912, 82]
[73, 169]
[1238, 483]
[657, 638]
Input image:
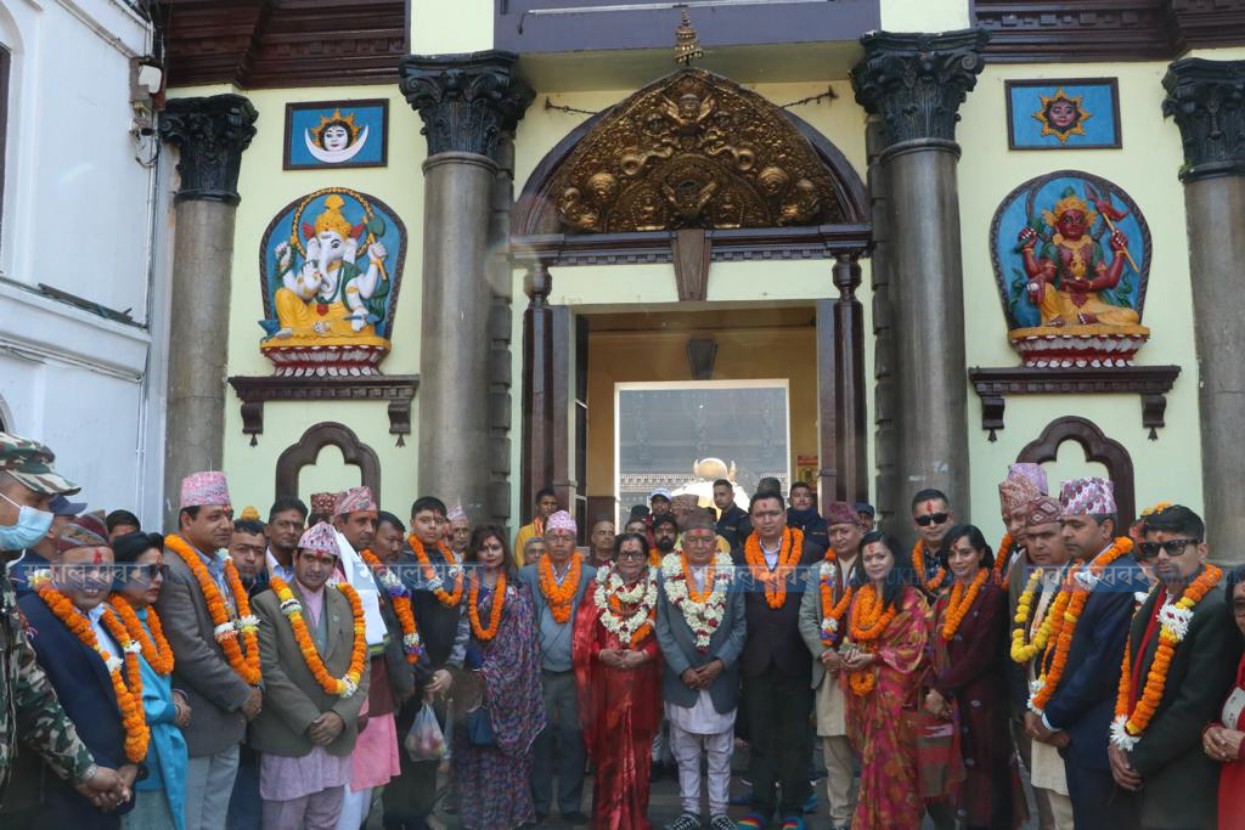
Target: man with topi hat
[1076, 693]
[306, 733]
[557, 583]
[822, 638]
[459, 532]
[204, 606]
[1024, 483]
[29, 709]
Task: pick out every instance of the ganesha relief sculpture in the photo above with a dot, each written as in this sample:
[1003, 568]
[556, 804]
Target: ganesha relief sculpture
[331, 265]
[1071, 255]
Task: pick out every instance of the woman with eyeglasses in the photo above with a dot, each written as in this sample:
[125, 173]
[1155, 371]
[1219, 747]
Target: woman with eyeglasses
[969, 684]
[499, 706]
[160, 797]
[617, 678]
[887, 630]
[1222, 739]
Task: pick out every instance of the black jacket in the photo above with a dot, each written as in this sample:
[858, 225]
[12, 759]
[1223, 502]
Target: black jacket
[774, 640]
[734, 526]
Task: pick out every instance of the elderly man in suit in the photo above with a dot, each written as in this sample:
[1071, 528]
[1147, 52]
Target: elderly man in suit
[307, 730]
[1162, 762]
[557, 583]
[701, 629]
[224, 696]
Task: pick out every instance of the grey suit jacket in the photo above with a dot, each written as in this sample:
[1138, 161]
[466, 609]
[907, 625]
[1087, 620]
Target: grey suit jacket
[292, 696]
[678, 648]
[811, 613]
[531, 577]
[213, 689]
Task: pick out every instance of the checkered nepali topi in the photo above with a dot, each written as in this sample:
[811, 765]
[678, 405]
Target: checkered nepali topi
[456, 514]
[354, 500]
[85, 531]
[561, 521]
[31, 464]
[201, 489]
[842, 513]
[1087, 496]
[1032, 473]
[320, 537]
[1042, 511]
[1015, 493]
[322, 503]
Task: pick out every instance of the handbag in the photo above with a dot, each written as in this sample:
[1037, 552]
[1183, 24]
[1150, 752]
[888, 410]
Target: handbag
[479, 727]
[939, 759]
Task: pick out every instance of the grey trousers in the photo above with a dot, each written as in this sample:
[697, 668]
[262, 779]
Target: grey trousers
[562, 716]
[209, 783]
[151, 812]
[318, 811]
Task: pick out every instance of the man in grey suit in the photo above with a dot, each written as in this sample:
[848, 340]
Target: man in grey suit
[305, 734]
[701, 628]
[222, 701]
[557, 677]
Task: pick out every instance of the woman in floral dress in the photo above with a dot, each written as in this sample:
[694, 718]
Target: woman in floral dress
[618, 678]
[494, 780]
[888, 626]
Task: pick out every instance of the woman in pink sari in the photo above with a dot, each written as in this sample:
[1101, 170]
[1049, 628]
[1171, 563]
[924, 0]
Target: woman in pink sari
[888, 625]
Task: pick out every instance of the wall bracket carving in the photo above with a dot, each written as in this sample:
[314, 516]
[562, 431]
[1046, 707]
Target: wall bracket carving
[397, 390]
[1152, 383]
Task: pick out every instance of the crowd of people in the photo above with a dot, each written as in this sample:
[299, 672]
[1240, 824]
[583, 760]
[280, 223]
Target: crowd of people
[293, 673]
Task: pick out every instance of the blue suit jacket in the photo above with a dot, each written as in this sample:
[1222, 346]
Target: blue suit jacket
[85, 691]
[1084, 703]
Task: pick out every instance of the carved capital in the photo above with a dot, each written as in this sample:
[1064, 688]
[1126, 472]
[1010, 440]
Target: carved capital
[467, 102]
[211, 134]
[1207, 100]
[915, 83]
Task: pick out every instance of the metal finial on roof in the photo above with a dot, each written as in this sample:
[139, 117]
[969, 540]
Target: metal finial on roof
[686, 47]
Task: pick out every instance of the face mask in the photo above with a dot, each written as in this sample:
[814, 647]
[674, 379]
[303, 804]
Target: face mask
[32, 525]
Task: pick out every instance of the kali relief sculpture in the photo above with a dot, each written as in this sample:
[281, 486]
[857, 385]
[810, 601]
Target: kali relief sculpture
[691, 151]
[1071, 256]
[331, 264]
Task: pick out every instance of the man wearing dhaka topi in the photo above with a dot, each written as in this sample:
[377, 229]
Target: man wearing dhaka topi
[208, 622]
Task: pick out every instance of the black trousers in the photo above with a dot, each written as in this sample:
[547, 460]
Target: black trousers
[778, 707]
[1098, 802]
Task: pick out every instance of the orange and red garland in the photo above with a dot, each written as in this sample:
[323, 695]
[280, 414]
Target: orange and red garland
[775, 581]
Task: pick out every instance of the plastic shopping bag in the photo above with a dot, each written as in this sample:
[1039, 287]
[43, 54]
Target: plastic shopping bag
[425, 741]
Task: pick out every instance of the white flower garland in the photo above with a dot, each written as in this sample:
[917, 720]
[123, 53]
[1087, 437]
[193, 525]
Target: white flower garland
[1175, 620]
[829, 625]
[703, 618]
[643, 595]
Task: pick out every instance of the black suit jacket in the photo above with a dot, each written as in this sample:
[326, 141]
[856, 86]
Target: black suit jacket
[1181, 783]
[734, 525]
[774, 641]
[84, 688]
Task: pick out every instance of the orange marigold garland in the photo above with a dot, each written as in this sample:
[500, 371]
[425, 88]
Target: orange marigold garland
[918, 565]
[775, 581]
[1000, 561]
[832, 612]
[866, 623]
[561, 597]
[400, 596]
[129, 692]
[485, 634]
[1174, 619]
[1074, 593]
[448, 599]
[348, 684]
[156, 649]
[959, 603]
[243, 657]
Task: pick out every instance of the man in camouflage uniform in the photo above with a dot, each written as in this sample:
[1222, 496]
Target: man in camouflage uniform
[29, 709]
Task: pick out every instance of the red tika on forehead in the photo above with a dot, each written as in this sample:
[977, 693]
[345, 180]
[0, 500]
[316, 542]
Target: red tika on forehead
[97, 559]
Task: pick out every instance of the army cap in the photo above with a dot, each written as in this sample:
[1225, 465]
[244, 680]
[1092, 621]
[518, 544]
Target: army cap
[31, 463]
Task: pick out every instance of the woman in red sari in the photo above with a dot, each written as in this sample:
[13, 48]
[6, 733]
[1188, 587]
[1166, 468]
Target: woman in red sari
[1222, 741]
[970, 627]
[618, 677]
[888, 625]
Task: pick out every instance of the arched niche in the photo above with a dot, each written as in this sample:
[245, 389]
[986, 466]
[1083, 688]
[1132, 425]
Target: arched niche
[692, 151]
[1098, 448]
[304, 453]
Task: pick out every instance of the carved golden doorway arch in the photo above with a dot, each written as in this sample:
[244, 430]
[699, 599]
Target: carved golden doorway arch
[693, 150]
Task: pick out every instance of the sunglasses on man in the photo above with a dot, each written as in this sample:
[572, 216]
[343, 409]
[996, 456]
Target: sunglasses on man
[932, 519]
[1174, 547]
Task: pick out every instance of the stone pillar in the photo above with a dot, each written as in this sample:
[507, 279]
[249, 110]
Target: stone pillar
[210, 134]
[467, 103]
[1207, 100]
[914, 85]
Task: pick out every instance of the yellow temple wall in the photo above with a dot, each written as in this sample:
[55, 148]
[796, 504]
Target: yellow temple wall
[1146, 168]
[266, 189]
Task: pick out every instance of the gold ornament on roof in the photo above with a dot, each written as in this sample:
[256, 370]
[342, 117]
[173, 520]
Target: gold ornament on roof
[686, 47]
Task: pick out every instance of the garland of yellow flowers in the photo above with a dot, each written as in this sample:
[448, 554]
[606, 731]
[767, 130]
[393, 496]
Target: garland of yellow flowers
[560, 597]
[1000, 562]
[128, 688]
[775, 581]
[348, 684]
[156, 649]
[1044, 687]
[918, 564]
[242, 657]
[960, 603]
[412, 643]
[1128, 727]
[448, 599]
[866, 623]
[483, 634]
[1023, 652]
